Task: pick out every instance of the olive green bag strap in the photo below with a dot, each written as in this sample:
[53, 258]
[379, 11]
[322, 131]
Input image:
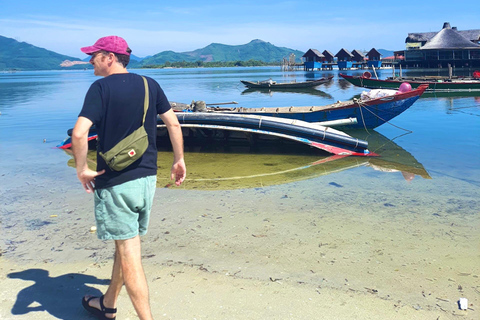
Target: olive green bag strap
[132, 147]
[146, 101]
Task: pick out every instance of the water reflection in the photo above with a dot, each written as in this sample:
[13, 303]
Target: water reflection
[303, 91]
[344, 84]
[12, 93]
[226, 167]
[435, 94]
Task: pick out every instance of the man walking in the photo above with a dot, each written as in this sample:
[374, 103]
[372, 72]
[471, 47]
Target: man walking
[123, 199]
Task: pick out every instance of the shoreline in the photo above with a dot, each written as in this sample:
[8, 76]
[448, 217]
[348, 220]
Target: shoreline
[257, 253]
[190, 292]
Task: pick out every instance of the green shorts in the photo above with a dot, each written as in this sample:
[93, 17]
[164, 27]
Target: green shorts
[123, 211]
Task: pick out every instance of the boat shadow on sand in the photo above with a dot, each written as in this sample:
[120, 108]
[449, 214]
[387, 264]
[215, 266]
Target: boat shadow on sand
[217, 165]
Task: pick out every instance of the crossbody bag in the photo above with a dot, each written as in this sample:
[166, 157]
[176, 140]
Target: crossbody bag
[132, 147]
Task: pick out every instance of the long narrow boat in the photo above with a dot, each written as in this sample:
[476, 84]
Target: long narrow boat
[270, 84]
[352, 114]
[316, 136]
[435, 84]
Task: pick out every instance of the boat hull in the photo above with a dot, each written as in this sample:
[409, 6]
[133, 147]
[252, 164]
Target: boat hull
[324, 138]
[368, 114]
[433, 86]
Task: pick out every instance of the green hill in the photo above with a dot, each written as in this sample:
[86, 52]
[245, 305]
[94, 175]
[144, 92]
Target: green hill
[254, 50]
[164, 56]
[24, 56]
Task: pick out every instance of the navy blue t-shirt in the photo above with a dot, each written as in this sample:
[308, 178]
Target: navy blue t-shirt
[115, 106]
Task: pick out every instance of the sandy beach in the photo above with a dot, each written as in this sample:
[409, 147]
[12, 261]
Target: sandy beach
[282, 252]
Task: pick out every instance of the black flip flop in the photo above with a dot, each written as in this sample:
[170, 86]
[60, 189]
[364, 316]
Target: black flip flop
[99, 313]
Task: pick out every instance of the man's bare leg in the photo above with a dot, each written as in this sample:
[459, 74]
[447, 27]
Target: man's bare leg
[130, 258]
[116, 284]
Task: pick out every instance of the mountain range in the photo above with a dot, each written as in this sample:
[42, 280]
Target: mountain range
[215, 52]
[24, 56]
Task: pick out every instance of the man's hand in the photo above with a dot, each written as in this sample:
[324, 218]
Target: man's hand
[87, 179]
[179, 171]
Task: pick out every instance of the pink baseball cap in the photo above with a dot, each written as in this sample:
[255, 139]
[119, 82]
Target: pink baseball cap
[111, 44]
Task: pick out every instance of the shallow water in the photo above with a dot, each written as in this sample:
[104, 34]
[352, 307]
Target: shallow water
[403, 223]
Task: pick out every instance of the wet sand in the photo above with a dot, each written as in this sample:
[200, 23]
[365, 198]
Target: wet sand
[318, 248]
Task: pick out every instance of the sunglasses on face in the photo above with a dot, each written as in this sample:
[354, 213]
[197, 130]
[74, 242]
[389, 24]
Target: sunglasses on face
[94, 55]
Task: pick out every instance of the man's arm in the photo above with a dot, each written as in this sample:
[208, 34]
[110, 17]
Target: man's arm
[179, 170]
[80, 150]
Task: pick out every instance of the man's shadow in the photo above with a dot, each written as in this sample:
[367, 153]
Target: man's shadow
[60, 296]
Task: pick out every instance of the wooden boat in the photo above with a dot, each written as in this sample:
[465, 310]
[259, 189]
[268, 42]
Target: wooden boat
[435, 84]
[354, 113]
[270, 84]
[320, 137]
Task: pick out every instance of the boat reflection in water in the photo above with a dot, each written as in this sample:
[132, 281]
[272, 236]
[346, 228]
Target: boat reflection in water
[393, 158]
[304, 91]
[220, 166]
[460, 94]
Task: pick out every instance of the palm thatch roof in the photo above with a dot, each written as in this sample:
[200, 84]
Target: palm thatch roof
[313, 52]
[344, 53]
[471, 35]
[328, 54]
[373, 52]
[358, 53]
[449, 38]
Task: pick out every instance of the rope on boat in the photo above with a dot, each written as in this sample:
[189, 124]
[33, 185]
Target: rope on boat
[385, 121]
[361, 113]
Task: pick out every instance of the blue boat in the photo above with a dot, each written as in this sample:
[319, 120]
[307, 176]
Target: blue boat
[350, 114]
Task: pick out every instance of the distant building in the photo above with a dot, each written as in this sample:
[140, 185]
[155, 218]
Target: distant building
[439, 49]
[312, 59]
[374, 55]
[344, 59]
[313, 55]
[374, 58]
[358, 56]
[329, 57]
[344, 55]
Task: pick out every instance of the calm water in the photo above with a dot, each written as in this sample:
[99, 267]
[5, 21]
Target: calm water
[40, 106]
[405, 223]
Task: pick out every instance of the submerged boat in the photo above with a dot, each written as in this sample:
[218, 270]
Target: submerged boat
[258, 127]
[354, 113]
[435, 84]
[223, 167]
[270, 84]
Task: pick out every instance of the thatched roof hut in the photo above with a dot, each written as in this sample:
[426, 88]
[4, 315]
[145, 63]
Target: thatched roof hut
[344, 55]
[418, 39]
[449, 38]
[328, 56]
[358, 56]
[373, 55]
[313, 55]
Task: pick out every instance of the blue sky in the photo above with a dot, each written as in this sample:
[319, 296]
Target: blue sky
[184, 25]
